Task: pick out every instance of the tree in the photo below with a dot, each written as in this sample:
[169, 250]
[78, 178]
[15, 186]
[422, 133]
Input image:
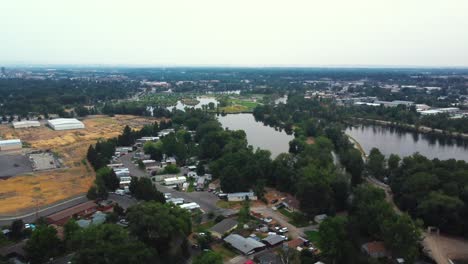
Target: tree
[333, 240]
[376, 163]
[92, 193]
[402, 236]
[393, 163]
[171, 169]
[352, 161]
[42, 245]
[160, 226]
[17, 227]
[110, 244]
[244, 213]
[143, 189]
[208, 257]
[109, 178]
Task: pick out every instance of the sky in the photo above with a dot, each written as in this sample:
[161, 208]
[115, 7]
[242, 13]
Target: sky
[235, 32]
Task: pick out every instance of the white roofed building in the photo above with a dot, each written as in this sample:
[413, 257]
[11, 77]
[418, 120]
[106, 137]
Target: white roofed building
[26, 124]
[65, 124]
[10, 144]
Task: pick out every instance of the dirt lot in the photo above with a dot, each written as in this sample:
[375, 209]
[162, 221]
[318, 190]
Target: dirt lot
[25, 191]
[442, 248]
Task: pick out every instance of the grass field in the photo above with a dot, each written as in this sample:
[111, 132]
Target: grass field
[41, 188]
[312, 236]
[295, 218]
[223, 251]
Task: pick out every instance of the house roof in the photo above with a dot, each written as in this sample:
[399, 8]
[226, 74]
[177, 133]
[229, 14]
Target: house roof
[375, 247]
[87, 206]
[268, 257]
[244, 245]
[224, 226]
[297, 242]
[241, 194]
[273, 239]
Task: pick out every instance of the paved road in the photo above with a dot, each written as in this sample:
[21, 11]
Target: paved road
[31, 216]
[206, 200]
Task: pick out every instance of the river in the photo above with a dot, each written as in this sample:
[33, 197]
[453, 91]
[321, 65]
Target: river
[394, 141]
[258, 135]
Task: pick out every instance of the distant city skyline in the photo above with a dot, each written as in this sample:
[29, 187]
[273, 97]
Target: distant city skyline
[242, 33]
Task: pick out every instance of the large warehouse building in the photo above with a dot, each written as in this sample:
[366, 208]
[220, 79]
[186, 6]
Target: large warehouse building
[26, 124]
[10, 144]
[65, 123]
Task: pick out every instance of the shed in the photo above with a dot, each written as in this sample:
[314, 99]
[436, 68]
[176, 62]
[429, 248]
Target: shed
[223, 227]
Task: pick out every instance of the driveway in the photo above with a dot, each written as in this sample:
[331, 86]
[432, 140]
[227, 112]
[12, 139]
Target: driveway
[294, 232]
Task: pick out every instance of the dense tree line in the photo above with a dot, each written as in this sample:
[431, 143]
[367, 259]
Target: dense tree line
[435, 191]
[24, 96]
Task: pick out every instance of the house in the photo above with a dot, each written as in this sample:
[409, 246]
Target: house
[201, 183]
[65, 124]
[84, 209]
[273, 240]
[298, 243]
[26, 124]
[223, 227]
[241, 196]
[10, 144]
[244, 245]
[375, 249]
[189, 206]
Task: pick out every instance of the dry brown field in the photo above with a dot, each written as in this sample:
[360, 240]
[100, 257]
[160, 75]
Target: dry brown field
[22, 192]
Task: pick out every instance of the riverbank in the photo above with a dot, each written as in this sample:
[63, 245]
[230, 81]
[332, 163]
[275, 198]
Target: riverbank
[420, 129]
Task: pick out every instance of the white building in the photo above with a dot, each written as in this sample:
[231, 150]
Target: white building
[65, 124]
[26, 124]
[241, 196]
[10, 144]
[175, 180]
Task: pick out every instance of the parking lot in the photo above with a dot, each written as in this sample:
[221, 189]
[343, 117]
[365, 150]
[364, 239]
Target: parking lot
[14, 164]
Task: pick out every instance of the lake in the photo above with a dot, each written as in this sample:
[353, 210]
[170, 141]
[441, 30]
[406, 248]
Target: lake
[395, 141]
[258, 135]
[203, 101]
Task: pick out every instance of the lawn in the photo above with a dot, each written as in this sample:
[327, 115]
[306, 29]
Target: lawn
[312, 236]
[203, 227]
[295, 218]
[224, 251]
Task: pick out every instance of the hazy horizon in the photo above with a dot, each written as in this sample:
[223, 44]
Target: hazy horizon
[213, 33]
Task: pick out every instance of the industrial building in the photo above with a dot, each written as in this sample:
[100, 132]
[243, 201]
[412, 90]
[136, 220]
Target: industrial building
[10, 144]
[26, 124]
[65, 124]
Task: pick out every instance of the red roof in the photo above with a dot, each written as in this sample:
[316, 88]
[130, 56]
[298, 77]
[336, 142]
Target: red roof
[62, 217]
[249, 262]
[375, 247]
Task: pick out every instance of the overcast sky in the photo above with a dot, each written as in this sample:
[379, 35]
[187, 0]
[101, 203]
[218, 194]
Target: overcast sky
[235, 32]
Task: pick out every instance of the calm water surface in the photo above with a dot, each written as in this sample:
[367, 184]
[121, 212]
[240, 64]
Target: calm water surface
[390, 140]
[258, 135]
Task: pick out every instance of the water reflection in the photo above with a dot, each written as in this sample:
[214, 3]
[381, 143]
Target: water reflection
[393, 140]
[258, 135]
